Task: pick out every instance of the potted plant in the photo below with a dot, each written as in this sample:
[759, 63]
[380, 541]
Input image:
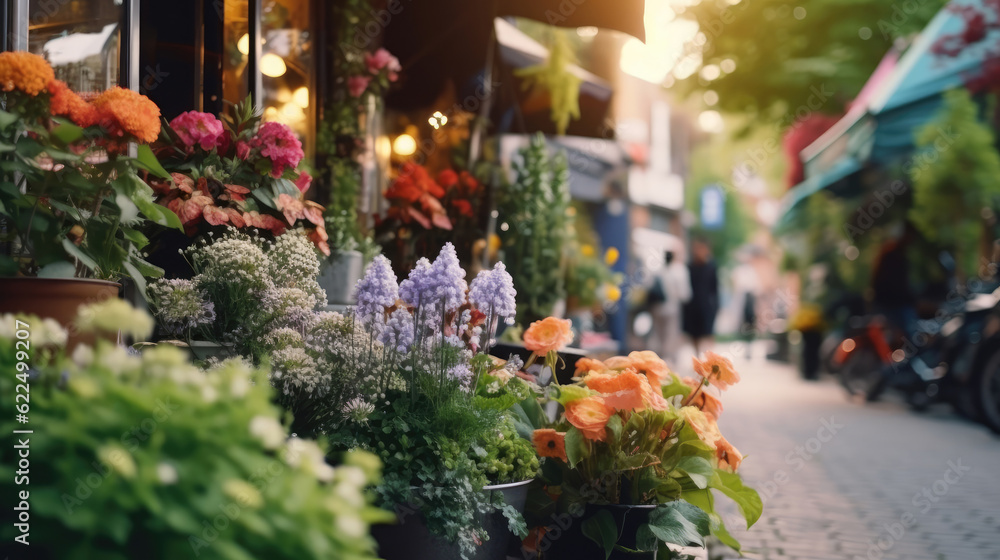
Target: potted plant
[634, 458]
[73, 202]
[238, 173]
[245, 288]
[172, 489]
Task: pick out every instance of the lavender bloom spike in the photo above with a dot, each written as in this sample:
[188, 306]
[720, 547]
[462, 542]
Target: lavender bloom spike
[417, 286]
[448, 279]
[494, 289]
[376, 291]
[398, 333]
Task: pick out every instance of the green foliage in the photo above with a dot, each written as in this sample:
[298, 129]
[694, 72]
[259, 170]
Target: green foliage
[554, 78]
[69, 208]
[950, 196]
[150, 457]
[509, 457]
[735, 230]
[534, 208]
[816, 57]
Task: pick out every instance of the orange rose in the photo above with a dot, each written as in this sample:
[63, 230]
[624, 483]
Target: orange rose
[618, 362]
[702, 425]
[718, 370]
[708, 404]
[25, 72]
[584, 365]
[590, 415]
[550, 443]
[729, 457]
[650, 365]
[627, 390]
[548, 335]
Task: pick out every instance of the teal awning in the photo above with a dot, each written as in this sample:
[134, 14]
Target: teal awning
[841, 179]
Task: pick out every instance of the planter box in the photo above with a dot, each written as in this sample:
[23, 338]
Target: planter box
[339, 275]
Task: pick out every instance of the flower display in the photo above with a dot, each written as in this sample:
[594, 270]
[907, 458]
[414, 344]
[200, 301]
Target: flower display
[197, 129]
[25, 72]
[631, 432]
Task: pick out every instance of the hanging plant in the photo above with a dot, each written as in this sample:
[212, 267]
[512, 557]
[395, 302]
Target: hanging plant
[553, 77]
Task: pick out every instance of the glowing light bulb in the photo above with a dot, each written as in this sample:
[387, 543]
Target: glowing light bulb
[301, 97]
[404, 145]
[244, 44]
[272, 66]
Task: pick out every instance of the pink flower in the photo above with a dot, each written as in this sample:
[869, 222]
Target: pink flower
[304, 182]
[278, 143]
[242, 150]
[382, 59]
[356, 85]
[198, 129]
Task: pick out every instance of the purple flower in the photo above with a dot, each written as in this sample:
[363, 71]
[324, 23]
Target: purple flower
[376, 291]
[460, 372]
[398, 333]
[417, 286]
[494, 289]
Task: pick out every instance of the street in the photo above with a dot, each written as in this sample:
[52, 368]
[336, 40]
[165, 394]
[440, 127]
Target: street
[842, 480]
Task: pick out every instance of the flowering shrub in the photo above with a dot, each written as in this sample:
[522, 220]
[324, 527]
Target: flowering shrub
[242, 174]
[244, 288]
[136, 472]
[426, 212]
[75, 205]
[632, 432]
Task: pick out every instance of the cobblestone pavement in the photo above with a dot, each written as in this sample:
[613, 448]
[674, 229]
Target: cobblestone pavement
[843, 480]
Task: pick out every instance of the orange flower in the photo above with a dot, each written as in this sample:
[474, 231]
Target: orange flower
[548, 335]
[717, 369]
[65, 102]
[584, 365]
[703, 426]
[590, 415]
[627, 390]
[550, 443]
[25, 72]
[123, 111]
[649, 364]
[618, 362]
[729, 457]
[708, 404]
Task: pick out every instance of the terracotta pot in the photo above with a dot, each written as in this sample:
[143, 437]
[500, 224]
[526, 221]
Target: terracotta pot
[55, 298]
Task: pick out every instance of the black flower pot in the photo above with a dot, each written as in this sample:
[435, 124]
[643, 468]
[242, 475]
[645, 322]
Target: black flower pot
[811, 342]
[570, 543]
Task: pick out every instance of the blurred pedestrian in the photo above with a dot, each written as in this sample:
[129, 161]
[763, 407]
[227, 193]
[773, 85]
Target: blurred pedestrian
[893, 293]
[700, 311]
[674, 284]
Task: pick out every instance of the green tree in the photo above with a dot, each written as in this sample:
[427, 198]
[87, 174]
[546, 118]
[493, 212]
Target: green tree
[953, 198]
[778, 58]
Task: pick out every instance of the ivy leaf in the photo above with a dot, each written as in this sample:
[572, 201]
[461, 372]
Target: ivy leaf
[680, 523]
[602, 529]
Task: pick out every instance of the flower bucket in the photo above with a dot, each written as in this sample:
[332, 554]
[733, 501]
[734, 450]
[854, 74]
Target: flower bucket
[203, 350]
[571, 544]
[339, 275]
[410, 540]
[55, 298]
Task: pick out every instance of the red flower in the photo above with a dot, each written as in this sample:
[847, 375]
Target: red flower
[303, 182]
[463, 206]
[447, 178]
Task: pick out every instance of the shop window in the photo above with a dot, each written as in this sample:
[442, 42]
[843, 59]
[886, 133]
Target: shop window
[286, 63]
[79, 38]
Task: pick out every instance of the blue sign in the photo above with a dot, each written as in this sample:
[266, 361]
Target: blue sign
[713, 207]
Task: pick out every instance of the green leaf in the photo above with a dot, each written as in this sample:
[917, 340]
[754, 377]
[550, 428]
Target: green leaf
[127, 209]
[67, 132]
[680, 523]
[59, 269]
[602, 529]
[137, 277]
[159, 214]
[148, 161]
[698, 469]
[80, 255]
[69, 210]
[614, 427]
[8, 266]
[576, 447]
[7, 119]
[746, 498]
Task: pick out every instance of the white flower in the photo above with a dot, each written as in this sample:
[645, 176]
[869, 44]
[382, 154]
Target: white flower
[268, 430]
[305, 454]
[116, 360]
[351, 525]
[83, 355]
[239, 387]
[166, 473]
[209, 394]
